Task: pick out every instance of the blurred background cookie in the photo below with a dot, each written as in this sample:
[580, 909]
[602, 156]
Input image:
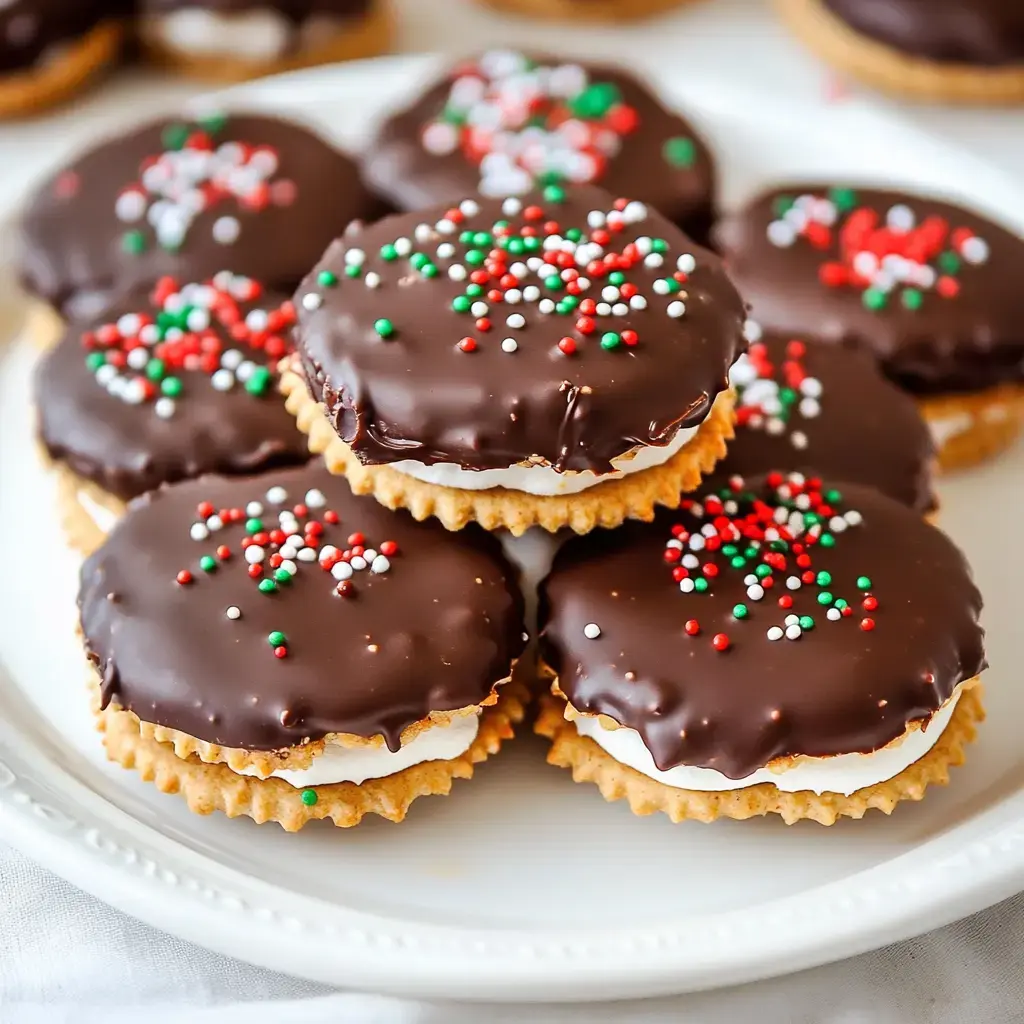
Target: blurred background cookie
[586, 10]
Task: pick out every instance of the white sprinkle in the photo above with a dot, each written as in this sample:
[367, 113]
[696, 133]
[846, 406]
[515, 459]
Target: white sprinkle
[311, 301]
[199, 531]
[226, 230]
[402, 246]
[853, 517]
[327, 551]
[900, 218]
[245, 370]
[690, 561]
[306, 555]
[595, 219]
[686, 585]
[254, 508]
[254, 554]
[696, 542]
[798, 439]
[468, 208]
[531, 293]
[164, 408]
[380, 564]
[277, 495]
[654, 259]
[511, 207]
[315, 498]
[609, 293]
[837, 524]
[833, 614]
[546, 306]
[234, 612]
[214, 523]
[358, 563]
[231, 359]
[638, 302]
[130, 206]
[591, 630]
[974, 250]
[752, 331]
[372, 280]
[457, 272]
[661, 287]
[676, 309]
[515, 321]
[794, 632]
[138, 358]
[509, 345]
[781, 234]
[686, 263]
[634, 212]
[256, 320]
[223, 380]
[793, 582]
[355, 258]
[105, 374]
[750, 579]
[445, 251]
[755, 592]
[341, 570]
[369, 554]
[513, 296]
[775, 633]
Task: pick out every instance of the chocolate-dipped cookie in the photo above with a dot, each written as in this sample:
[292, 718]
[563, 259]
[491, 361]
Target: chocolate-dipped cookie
[952, 50]
[928, 287]
[232, 40]
[825, 410]
[506, 123]
[50, 49]
[556, 360]
[275, 647]
[781, 646]
[167, 386]
[256, 194]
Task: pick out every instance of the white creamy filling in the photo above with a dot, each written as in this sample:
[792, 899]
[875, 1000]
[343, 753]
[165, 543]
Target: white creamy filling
[545, 481]
[261, 34]
[102, 517]
[357, 764]
[843, 773]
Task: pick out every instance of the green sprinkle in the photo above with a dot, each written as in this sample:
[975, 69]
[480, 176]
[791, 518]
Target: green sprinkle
[384, 327]
[610, 340]
[94, 360]
[213, 122]
[253, 525]
[679, 151]
[531, 244]
[873, 299]
[806, 622]
[659, 245]
[388, 253]
[826, 540]
[739, 611]
[133, 242]
[781, 205]
[595, 101]
[811, 519]
[309, 797]
[616, 278]
[353, 271]
[700, 584]
[327, 279]
[282, 576]
[729, 550]
[845, 199]
[832, 497]
[418, 259]
[841, 603]
[259, 381]
[171, 387]
[474, 291]
[574, 234]
[763, 570]
[267, 586]
[466, 237]
[515, 246]
[461, 303]
[863, 582]
[561, 308]
[155, 370]
[174, 136]
[277, 639]
[554, 194]
[911, 298]
[750, 552]
[453, 115]
[825, 598]
[738, 561]
[482, 239]
[554, 283]
[949, 262]
[824, 578]
[787, 396]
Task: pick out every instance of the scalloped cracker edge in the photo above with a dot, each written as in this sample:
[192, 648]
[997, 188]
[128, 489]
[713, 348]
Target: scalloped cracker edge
[606, 504]
[892, 70]
[82, 533]
[994, 417]
[215, 787]
[616, 781]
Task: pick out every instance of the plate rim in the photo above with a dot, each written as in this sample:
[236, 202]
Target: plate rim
[56, 819]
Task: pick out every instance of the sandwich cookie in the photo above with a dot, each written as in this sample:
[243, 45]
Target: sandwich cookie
[928, 288]
[958, 51]
[825, 410]
[50, 49]
[278, 648]
[780, 647]
[232, 40]
[506, 123]
[559, 360]
[168, 386]
[187, 199]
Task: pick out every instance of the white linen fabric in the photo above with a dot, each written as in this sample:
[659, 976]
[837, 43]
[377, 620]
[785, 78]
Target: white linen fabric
[66, 958]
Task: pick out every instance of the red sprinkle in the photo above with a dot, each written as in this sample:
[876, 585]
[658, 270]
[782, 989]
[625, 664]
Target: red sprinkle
[867, 624]
[184, 577]
[720, 642]
[692, 627]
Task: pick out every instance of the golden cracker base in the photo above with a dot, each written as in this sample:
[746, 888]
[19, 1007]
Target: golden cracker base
[368, 35]
[586, 10]
[891, 70]
[24, 92]
[991, 421]
[43, 324]
[215, 787]
[616, 781]
[606, 505]
[81, 530]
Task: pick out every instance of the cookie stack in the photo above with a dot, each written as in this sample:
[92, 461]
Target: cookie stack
[755, 615]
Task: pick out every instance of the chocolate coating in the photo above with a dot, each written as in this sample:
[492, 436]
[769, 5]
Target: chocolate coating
[446, 619]
[985, 32]
[128, 449]
[966, 343]
[838, 689]
[73, 245]
[416, 395]
[31, 29]
[867, 430]
[400, 168]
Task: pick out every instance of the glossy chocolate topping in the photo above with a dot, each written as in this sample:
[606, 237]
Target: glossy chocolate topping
[987, 32]
[31, 30]
[259, 195]
[415, 360]
[849, 683]
[432, 630]
[944, 312]
[556, 121]
[118, 425]
[824, 410]
[296, 11]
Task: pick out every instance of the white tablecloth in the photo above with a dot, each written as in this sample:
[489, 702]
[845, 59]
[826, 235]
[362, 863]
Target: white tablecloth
[66, 957]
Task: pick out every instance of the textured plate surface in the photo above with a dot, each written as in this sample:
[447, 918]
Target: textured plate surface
[522, 885]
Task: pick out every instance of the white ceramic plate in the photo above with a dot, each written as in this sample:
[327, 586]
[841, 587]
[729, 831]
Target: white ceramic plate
[521, 884]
